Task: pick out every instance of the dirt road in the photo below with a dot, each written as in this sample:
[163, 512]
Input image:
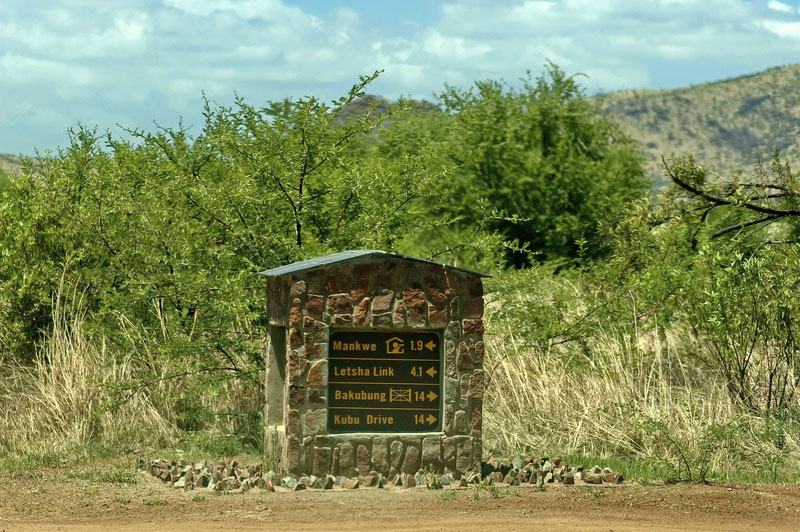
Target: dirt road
[92, 499]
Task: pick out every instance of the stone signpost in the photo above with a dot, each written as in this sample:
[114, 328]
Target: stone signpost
[375, 363]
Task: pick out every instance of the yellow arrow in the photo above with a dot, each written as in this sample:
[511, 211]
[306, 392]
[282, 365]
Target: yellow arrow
[432, 396]
[431, 345]
[431, 419]
[431, 372]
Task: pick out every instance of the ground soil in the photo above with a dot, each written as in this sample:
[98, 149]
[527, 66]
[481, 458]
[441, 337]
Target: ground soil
[99, 496]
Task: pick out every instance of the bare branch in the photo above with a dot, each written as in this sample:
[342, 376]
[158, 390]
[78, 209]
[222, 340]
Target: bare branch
[742, 225]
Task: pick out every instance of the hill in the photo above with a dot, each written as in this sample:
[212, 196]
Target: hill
[729, 123]
[360, 106]
[9, 164]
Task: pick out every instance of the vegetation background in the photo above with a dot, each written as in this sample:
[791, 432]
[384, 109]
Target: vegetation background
[654, 332]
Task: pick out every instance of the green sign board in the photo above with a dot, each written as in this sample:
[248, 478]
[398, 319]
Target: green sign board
[384, 382]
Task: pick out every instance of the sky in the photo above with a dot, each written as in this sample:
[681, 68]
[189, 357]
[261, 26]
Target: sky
[136, 63]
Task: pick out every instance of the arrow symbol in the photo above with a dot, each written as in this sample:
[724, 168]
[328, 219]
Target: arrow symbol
[431, 371]
[432, 396]
[431, 345]
[431, 420]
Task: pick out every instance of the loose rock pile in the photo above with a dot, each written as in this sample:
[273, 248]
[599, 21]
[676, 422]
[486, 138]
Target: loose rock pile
[230, 475]
[540, 470]
[219, 475]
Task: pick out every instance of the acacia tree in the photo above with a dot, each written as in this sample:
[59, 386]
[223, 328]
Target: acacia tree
[720, 259]
[162, 232]
[538, 164]
[741, 303]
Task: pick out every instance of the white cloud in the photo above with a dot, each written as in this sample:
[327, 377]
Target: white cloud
[133, 61]
[785, 30]
[779, 6]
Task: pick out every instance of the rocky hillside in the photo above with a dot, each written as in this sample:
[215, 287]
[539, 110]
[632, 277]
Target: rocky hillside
[9, 164]
[729, 123]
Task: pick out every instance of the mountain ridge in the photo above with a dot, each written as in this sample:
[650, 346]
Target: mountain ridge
[728, 124]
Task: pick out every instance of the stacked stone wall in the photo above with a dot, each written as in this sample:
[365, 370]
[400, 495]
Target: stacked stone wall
[390, 294]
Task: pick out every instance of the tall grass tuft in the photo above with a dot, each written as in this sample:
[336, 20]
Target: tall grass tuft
[59, 405]
[636, 396]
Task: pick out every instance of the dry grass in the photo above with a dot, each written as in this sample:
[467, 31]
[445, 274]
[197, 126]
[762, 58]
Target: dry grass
[80, 395]
[610, 397]
[59, 404]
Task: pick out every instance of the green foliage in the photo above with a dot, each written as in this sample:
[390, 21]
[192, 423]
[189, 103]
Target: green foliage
[160, 237]
[432, 478]
[447, 495]
[764, 445]
[689, 459]
[164, 234]
[539, 165]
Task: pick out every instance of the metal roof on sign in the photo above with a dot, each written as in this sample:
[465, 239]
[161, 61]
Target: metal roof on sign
[343, 256]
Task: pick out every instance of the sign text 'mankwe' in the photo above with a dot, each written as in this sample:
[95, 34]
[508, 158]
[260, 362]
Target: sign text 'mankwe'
[338, 345]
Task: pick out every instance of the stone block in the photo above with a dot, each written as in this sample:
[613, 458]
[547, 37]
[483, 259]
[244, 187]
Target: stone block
[316, 397]
[291, 450]
[460, 422]
[416, 317]
[308, 452]
[473, 327]
[320, 332]
[451, 388]
[414, 297]
[437, 316]
[465, 378]
[295, 312]
[399, 313]
[476, 384]
[451, 369]
[380, 455]
[298, 289]
[322, 461]
[411, 460]
[473, 308]
[335, 467]
[361, 312]
[358, 290]
[432, 452]
[295, 338]
[396, 454]
[319, 351]
[339, 304]
[314, 305]
[464, 359]
[464, 456]
[292, 422]
[382, 320]
[318, 374]
[480, 353]
[315, 421]
[363, 460]
[297, 395]
[453, 330]
[382, 302]
[347, 456]
[477, 417]
[336, 283]
[342, 319]
[449, 418]
[437, 296]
